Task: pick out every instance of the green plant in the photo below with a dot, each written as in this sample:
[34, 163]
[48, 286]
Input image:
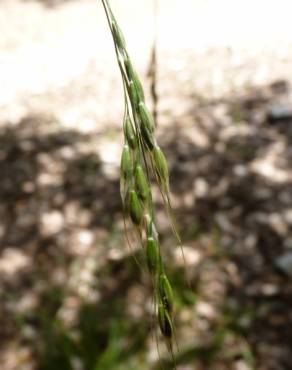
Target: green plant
[141, 160]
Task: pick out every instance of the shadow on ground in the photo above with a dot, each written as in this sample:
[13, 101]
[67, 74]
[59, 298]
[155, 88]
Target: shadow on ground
[73, 298]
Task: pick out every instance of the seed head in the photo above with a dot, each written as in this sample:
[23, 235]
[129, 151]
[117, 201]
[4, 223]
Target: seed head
[135, 187]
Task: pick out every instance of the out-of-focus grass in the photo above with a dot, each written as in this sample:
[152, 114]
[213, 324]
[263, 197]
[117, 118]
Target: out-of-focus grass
[103, 335]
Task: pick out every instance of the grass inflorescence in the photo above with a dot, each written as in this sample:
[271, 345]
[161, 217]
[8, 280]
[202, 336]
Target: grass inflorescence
[142, 159]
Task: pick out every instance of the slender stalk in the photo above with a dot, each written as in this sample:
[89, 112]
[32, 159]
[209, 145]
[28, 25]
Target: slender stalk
[136, 185]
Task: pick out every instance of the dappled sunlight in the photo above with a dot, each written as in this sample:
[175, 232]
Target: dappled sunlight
[73, 294]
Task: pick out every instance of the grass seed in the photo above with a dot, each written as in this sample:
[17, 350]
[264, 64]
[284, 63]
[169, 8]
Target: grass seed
[126, 163]
[165, 292]
[146, 117]
[142, 184]
[152, 255]
[135, 208]
[130, 133]
[133, 76]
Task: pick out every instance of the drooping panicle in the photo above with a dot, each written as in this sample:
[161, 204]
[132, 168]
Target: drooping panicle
[142, 161]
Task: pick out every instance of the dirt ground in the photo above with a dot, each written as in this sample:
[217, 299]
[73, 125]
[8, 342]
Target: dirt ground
[69, 292]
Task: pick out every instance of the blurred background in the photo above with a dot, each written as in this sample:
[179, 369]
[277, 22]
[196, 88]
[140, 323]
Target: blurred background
[72, 297]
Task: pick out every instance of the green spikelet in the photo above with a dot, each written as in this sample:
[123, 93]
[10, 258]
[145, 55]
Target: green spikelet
[118, 37]
[165, 292]
[135, 208]
[126, 163]
[142, 185]
[165, 323]
[129, 133]
[152, 255]
[133, 95]
[141, 160]
[147, 138]
[146, 118]
[133, 76]
[161, 168]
